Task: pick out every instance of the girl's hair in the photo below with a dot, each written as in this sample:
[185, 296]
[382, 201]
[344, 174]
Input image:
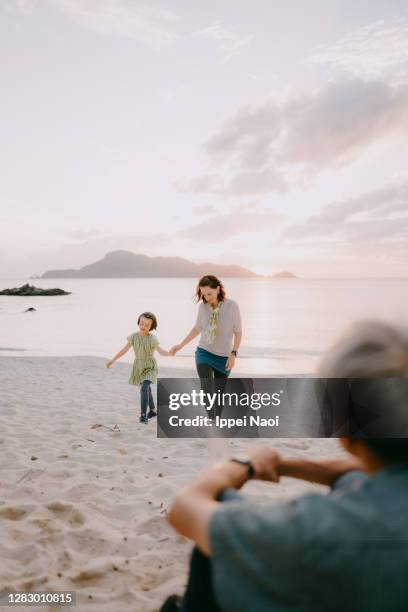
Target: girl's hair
[151, 316]
[372, 349]
[208, 280]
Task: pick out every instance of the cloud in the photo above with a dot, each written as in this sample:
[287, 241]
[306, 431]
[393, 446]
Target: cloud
[205, 209]
[247, 137]
[255, 183]
[83, 234]
[375, 49]
[248, 182]
[334, 127]
[261, 147]
[149, 25]
[204, 183]
[351, 221]
[367, 235]
[227, 39]
[327, 128]
[234, 223]
[25, 7]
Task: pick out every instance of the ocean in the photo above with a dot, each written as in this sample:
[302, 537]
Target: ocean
[287, 323]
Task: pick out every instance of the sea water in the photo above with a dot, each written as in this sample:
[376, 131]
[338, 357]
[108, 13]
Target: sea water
[287, 323]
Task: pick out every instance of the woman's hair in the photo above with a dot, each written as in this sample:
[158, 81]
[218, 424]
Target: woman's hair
[208, 280]
[372, 349]
[151, 316]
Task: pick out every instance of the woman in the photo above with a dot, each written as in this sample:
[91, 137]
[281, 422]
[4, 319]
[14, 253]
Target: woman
[323, 553]
[219, 322]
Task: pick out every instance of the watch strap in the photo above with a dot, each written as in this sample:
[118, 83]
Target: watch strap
[247, 463]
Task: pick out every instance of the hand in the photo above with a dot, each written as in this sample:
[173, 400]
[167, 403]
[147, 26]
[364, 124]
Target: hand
[110, 364]
[266, 464]
[174, 349]
[230, 362]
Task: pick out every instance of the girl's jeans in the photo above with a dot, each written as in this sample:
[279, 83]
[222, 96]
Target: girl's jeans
[146, 397]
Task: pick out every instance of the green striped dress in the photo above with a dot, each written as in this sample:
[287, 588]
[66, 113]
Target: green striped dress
[144, 365]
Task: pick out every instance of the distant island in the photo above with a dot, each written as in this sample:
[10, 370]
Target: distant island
[125, 264]
[284, 274]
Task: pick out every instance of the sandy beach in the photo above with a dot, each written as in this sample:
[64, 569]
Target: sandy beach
[84, 487]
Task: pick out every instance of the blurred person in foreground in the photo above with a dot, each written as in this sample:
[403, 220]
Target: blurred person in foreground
[347, 549]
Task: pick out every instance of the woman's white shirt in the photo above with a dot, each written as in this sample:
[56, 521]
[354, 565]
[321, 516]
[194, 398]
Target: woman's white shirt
[229, 322]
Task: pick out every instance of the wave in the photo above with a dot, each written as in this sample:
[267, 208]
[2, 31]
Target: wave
[280, 353]
[10, 348]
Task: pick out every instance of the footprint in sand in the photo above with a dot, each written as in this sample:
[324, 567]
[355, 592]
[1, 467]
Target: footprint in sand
[88, 541]
[300, 444]
[33, 584]
[93, 575]
[15, 513]
[67, 513]
[155, 526]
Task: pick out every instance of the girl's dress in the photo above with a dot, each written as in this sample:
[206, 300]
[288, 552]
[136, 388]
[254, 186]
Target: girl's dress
[144, 365]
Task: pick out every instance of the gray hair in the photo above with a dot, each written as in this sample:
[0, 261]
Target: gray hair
[369, 348]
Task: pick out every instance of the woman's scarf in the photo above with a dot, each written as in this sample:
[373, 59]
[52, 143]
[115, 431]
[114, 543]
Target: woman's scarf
[210, 332]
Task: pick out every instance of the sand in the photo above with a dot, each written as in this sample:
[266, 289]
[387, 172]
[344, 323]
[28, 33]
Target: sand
[84, 487]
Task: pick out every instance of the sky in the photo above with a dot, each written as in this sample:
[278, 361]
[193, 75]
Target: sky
[268, 134]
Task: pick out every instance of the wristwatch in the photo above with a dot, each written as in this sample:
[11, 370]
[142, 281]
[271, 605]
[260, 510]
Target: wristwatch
[247, 463]
[234, 352]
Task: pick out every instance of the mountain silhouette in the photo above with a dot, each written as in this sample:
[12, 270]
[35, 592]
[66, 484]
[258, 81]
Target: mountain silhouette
[125, 264]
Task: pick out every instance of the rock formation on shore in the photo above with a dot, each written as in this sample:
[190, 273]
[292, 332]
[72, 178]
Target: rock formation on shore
[30, 290]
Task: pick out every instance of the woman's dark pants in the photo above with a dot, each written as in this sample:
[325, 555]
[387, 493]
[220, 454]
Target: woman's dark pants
[212, 381]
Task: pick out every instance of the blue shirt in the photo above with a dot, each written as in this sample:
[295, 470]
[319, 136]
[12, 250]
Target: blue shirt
[342, 552]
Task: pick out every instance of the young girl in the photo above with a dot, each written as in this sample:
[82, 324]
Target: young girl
[144, 371]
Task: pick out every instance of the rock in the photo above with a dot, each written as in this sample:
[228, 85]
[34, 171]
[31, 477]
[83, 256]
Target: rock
[31, 309]
[30, 290]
